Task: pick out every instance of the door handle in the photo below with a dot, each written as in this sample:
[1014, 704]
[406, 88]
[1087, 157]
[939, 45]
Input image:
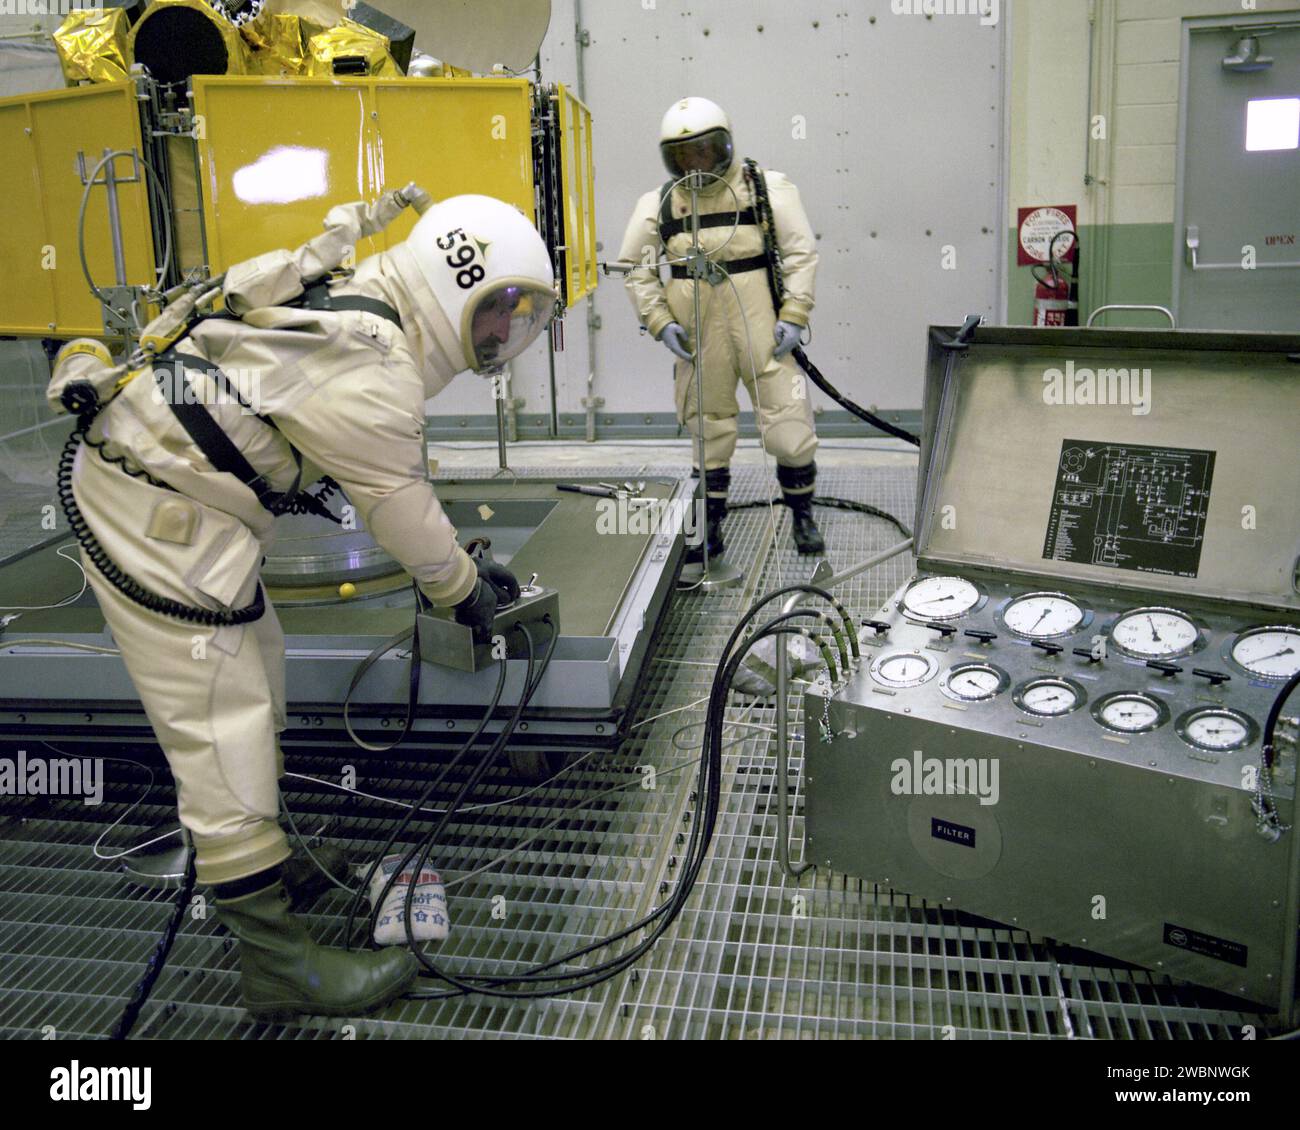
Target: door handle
[1194, 244]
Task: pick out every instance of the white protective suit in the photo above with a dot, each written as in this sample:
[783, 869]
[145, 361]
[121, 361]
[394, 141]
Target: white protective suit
[733, 341]
[346, 389]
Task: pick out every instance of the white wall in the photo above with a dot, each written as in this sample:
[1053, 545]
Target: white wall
[28, 65]
[900, 156]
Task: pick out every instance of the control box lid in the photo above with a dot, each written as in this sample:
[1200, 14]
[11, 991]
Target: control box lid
[1160, 460]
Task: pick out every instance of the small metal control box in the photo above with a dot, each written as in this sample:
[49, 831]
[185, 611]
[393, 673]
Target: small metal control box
[445, 642]
[1058, 723]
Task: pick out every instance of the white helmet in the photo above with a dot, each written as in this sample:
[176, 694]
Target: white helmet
[491, 273]
[696, 137]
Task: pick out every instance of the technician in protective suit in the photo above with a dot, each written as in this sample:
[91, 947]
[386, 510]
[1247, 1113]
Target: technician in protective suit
[745, 336]
[324, 379]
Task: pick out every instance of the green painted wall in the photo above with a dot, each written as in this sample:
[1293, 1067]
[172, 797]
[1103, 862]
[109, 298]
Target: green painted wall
[1138, 269]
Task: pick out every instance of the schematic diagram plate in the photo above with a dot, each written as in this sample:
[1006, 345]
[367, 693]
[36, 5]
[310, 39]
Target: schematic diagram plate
[1125, 506]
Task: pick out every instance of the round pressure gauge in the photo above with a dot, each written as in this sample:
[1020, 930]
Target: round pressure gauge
[941, 598]
[1041, 615]
[1270, 653]
[1130, 712]
[904, 669]
[1217, 729]
[1155, 633]
[1049, 697]
[974, 682]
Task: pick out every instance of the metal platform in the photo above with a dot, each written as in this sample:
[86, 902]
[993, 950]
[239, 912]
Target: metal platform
[744, 961]
[614, 578]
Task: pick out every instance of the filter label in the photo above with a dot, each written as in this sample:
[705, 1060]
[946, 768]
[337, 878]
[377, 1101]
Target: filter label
[952, 833]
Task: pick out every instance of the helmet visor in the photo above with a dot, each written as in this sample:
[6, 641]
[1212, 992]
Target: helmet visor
[507, 320]
[710, 152]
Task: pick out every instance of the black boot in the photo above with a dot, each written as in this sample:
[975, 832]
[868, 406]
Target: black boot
[283, 972]
[716, 485]
[797, 485]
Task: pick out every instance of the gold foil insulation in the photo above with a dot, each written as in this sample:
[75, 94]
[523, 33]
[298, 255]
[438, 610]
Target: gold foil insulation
[351, 40]
[92, 45]
[99, 45]
[279, 43]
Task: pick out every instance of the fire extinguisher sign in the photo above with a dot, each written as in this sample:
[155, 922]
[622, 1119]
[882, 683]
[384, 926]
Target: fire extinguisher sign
[1038, 227]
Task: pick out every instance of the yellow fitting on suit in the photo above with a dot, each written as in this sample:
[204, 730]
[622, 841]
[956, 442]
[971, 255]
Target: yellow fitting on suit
[126, 380]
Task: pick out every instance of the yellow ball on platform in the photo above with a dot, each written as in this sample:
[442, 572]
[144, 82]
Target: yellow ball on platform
[347, 590]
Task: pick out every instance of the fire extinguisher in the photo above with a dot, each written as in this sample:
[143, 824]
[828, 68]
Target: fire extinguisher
[1056, 297]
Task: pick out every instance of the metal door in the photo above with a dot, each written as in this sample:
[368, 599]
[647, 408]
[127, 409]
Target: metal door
[1238, 245]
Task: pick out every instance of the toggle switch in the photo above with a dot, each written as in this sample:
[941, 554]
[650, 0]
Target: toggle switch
[945, 630]
[1052, 649]
[1215, 677]
[878, 627]
[1168, 670]
[1087, 653]
[981, 635]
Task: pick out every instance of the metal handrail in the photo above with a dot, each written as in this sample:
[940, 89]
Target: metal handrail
[1173, 324]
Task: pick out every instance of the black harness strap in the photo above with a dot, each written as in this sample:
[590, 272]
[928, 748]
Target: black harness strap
[671, 228]
[732, 267]
[317, 297]
[208, 435]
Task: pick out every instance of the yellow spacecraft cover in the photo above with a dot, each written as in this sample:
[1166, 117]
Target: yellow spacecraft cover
[579, 197]
[276, 154]
[42, 289]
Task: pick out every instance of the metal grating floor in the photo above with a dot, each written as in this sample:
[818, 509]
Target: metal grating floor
[753, 956]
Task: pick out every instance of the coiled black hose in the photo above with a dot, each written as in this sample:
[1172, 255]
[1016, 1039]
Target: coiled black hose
[127, 585]
[307, 503]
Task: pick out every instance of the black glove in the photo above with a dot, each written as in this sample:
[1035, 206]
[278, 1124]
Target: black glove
[500, 578]
[496, 587]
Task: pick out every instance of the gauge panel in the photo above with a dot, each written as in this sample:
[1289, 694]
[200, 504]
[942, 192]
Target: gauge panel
[983, 661]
